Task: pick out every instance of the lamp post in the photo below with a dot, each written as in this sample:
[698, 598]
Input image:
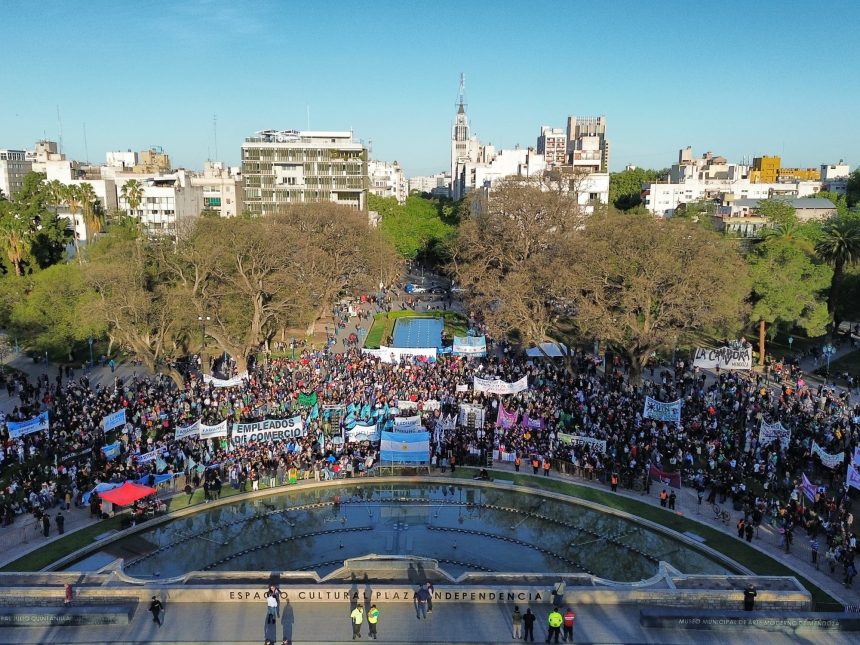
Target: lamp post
[203, 320]
[293, 349]
[790, 342]
[90, 341]
[829, 350]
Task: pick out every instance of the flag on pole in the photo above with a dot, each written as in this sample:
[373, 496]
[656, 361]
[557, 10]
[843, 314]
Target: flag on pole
[808, 488]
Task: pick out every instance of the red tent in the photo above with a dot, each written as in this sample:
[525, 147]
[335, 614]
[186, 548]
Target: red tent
[127, 494]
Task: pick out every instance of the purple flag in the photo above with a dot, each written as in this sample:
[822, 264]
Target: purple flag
[505, 419]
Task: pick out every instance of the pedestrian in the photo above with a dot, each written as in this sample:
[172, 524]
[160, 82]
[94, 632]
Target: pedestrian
[664, 498]
[155, 608]
[67, 595]
[554, 622]
[613, 482]
[517, 462]
[271, 608]
[429, 586]
[569, 618]
[529, 626]
[46, 525]
[372, 620]
[517, 623]
[813, 547]
[61, 523]
[421, 598]
[672, 498]
[546, 466]
[748, 531]
[741, 528]
[357, 617]
[535, 465]
[749, 597]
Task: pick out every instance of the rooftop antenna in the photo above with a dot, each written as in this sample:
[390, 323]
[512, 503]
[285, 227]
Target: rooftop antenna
[215, 132]
[60, 127]
[86, 147]
[370, 146]
[461, 94]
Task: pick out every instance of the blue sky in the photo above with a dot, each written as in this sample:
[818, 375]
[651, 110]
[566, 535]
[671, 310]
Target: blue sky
[736, 77]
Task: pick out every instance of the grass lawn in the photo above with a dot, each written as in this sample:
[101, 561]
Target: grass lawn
[849, 363]
[383, 324]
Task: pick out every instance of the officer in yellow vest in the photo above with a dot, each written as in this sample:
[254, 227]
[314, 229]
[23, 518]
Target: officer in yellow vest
[372, 619]
[554, 621]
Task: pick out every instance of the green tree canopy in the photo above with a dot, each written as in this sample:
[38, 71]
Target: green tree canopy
[852, 193]
[625, 187]
[417, 227]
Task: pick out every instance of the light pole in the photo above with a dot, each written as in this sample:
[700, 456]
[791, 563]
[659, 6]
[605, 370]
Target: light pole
[790, 342]
[293, 349]
[90, 341]
[829, 350]
[203, 320]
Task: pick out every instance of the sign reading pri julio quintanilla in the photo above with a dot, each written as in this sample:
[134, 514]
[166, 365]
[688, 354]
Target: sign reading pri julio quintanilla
[726, 358]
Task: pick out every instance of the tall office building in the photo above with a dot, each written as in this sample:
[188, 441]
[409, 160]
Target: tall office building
[465, 148]
[283, 167]
[14, 166]
[587, 145]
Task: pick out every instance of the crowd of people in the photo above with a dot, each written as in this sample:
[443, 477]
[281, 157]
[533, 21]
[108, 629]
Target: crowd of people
[715, 446]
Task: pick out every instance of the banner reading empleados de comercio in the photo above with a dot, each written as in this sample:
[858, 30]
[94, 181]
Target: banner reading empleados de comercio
[268, 430]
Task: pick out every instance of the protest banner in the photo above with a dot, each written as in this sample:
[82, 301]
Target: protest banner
[111, 451]
[533, 423]
[492, 386]
[579, 440]
[307, 400]
[362, 432]
[217, 431]
[20, 428]
[275, 430]
[771, 432]
[660, 411]
[673, 480]
[114, 420]
[407, 424]
[505, 419]
[225, 382]
[827, 460]
[188, 431]
[852, 477]
[726, 358]
[469, 346]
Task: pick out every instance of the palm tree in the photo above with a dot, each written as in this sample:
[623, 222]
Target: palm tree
[132, 192]
[13, 240]
[91, 210]
[790, 232]
[73, 200]
[56, 194]
[839, 246]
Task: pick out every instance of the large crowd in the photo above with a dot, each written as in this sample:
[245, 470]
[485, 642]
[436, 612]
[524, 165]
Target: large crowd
[715, 446]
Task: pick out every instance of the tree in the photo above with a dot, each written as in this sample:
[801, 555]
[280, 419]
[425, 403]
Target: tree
[786, 288]
[510, 253]
[137, 300]
[417, 227]
[625, 187]
[839, 246]
[643, 285]
[14, 237]
[852, 192]
[838, 200]
[777, 211]
[132, 192]
[700, 212]
[73, 199]
[91, 210]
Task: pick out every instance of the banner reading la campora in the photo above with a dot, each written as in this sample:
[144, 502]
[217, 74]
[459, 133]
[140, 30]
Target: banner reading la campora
[660, 411]
[726, 358]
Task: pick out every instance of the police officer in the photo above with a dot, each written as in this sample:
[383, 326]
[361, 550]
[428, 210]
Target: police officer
[554, 622]
[372, 619]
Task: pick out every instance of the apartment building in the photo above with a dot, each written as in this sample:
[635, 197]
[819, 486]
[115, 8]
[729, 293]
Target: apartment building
[284, 167]
[221, 188]
[387, 180]
[14, 166]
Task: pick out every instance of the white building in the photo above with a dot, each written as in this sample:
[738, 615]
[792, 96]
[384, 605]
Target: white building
[221, 189]
[552, 144]
[587, 145]
[126, 160]
[713, 178]
[438, 185]
[387, 180]
[834, 177]
[283, 167]
[166, 201]
[14, 166]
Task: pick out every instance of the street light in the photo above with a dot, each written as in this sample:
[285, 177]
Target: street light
[790, 342]
[293, 349]
[829, 350]
[90, 341]
[203, 320]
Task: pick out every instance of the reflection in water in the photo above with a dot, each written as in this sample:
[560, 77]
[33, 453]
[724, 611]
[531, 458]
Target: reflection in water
[465, 528]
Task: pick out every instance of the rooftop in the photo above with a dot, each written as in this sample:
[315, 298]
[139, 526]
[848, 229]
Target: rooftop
[797, 203]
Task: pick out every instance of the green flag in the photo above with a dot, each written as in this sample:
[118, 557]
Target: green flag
[307, 399]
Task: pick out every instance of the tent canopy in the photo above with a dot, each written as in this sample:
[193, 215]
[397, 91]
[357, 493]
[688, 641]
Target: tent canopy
[127, 494]
[552, 350]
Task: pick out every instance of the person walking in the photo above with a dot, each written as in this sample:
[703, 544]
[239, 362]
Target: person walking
[554, 622]
[529, 626]
[46, 525]
[271, 608]
[156, 608]
[422, 597]
[372, 620]
[569, 618]
[68, 593]
[672, 498]
[749, 597]
[664, 498]
[357, 617]
[60, 520]
[517, 623]
[613, 482]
